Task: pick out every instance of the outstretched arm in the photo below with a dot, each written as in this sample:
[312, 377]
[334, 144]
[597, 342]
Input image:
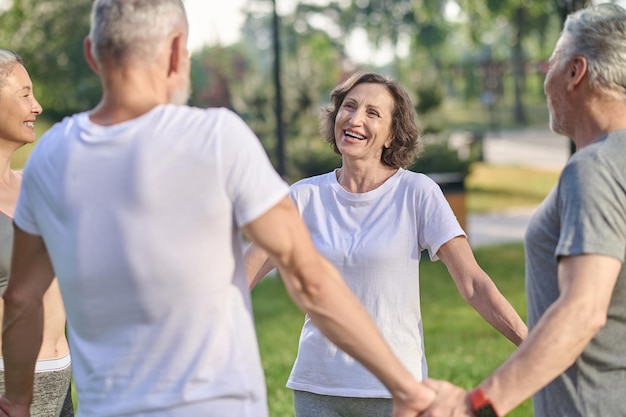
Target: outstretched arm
[316, 286]
[479, 291]
[586, 283]
[258, 264]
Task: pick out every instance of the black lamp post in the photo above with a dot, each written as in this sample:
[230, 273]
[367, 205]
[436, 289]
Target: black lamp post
[278, 106]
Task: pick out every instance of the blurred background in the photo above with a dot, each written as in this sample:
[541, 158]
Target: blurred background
[472, 66]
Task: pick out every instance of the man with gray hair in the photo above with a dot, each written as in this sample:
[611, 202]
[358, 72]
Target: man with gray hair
[574, 358]
[138, 207]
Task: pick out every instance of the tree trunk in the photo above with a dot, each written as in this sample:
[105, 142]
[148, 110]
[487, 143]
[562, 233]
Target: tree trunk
[519, 70]
[565, 7]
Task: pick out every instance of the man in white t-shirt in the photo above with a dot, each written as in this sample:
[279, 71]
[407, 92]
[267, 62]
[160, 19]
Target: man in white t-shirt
[137, 206]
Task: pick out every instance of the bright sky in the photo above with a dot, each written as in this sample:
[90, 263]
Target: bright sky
[220, 21]
[213, 21]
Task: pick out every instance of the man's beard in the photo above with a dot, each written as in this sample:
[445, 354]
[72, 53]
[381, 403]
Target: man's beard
[181, 96]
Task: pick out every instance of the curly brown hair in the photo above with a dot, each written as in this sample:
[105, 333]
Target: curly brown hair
[406, 132]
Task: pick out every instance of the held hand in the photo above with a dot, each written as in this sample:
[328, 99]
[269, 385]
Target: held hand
[413, 402]
[451, 401]
[9, 409]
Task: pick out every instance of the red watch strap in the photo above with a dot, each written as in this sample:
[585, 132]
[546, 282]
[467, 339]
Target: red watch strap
[478, 400]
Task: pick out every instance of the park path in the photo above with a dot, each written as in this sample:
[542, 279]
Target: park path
[533, 147]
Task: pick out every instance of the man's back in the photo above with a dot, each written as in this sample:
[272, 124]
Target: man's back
[141, 220]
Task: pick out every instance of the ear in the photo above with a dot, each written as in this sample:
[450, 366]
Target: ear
[177, 54]
[578, 69]
[388, 142]
[91, 60]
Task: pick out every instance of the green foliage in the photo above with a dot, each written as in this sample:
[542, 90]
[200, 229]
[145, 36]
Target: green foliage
[310, 67]
[429, 95]
[217, 71]
[49, 35]
[313, 160]
[460, 345]
[438, 157]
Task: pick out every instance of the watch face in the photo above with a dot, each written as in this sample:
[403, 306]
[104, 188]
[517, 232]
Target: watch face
[486, 411]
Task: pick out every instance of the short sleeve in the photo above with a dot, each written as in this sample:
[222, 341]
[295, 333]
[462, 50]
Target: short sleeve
[252, 183]
[437, 222]
[592, 209]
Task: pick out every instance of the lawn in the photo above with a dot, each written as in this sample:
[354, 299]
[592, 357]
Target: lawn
[496, 188]
[460, 346]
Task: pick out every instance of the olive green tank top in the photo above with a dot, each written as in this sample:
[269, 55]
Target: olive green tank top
[6, 245]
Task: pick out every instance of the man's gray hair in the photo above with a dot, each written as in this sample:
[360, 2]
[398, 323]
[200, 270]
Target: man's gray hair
[598, 33]
[8, 59]
[122, 29]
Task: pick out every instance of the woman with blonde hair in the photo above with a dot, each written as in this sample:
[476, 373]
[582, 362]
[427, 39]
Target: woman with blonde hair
[19, 109]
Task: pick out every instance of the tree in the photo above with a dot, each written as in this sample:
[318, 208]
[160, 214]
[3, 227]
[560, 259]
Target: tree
[565, 7]
[49, 35]
[312, 63]
[525, 18]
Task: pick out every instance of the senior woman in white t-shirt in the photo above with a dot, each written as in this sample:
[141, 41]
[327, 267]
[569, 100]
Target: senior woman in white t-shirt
[372, 219]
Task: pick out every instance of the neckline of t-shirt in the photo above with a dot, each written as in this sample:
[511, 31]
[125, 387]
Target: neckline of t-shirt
[375, 193]
[104, 132]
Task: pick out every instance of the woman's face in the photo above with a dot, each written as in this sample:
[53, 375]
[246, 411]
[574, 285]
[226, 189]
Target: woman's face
[18, 107]
[363, 122]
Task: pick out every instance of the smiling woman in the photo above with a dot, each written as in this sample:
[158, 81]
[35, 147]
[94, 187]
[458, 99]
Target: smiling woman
[18, 111]
[373, 219]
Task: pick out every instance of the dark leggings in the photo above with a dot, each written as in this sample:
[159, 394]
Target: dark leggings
[68, 405]
[307, 404]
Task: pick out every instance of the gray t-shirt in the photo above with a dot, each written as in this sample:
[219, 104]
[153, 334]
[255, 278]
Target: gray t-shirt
[584, 214]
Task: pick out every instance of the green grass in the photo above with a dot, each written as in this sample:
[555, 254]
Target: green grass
[278, 324]
[496, 188]
[460, 345]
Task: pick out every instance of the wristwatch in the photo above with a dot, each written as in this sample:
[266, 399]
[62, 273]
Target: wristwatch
[481, 406]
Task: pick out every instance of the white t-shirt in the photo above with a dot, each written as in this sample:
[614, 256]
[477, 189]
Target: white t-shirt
[375, 240]
[141, 220]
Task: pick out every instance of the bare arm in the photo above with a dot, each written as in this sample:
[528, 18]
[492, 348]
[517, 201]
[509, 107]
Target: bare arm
[479, 291]
[258, 264]
[22, 330]
[316, 286]
[586, 283]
